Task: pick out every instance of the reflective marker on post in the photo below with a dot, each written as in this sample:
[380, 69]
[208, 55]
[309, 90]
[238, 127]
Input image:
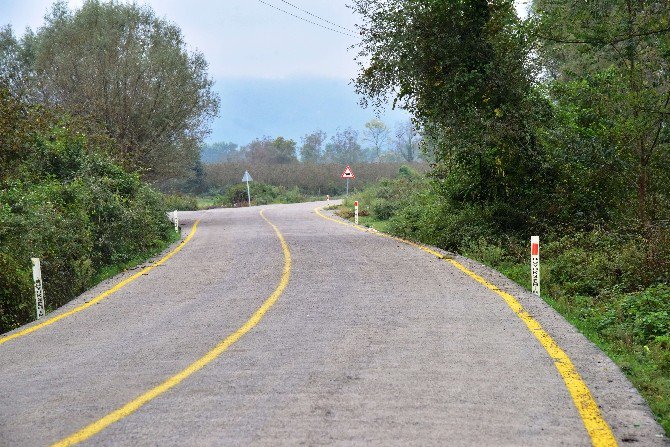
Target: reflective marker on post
[356, 212]
[39, 290]
[176, 221]
[535, 264]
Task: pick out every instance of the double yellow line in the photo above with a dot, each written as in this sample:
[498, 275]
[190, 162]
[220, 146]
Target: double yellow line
[104, 294]
[194, 367]
[599, 431]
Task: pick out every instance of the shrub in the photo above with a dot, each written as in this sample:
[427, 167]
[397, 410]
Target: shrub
[180, 202]
[70, 205]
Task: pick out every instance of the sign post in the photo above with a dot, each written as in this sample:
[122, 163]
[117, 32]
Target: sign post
[175, 218]
[347, 174]
[247, 178]
[39, 289]
[535, 264]
[356, 212]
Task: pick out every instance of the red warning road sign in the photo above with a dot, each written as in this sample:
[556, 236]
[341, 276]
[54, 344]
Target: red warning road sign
[348, 173]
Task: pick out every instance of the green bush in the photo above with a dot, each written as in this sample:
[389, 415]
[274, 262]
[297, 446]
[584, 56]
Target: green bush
[181, 202]
[645, 315]
[67, 203]
[261, 194]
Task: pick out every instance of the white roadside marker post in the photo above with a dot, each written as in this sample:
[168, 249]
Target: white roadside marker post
[175, 218]
[39, 289]
[356, 212]
[535, 264]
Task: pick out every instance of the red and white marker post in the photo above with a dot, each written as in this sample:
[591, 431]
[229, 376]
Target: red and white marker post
[356, 212]
[535, 264]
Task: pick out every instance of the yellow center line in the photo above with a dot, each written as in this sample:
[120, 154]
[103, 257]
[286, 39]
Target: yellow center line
[104, 294]
[599, 431]
[194, 367]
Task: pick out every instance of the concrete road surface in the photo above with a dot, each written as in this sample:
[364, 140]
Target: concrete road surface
[356, 339]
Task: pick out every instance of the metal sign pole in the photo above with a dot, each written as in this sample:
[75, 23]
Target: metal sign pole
[248, 193]
[347, 186]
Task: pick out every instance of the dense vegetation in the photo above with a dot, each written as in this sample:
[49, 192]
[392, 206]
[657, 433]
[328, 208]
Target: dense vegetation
[64, 201]
[309, 178]
[93, 104]
[556, 125]
[378, 143]
[127, 69]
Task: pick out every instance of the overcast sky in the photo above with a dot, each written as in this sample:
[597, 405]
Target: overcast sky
[241, 38]
[259, 56]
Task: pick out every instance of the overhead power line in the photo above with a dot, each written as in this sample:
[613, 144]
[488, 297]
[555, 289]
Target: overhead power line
[320, 18]
[307, 20]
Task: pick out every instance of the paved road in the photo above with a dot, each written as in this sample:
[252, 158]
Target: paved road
[370, 341]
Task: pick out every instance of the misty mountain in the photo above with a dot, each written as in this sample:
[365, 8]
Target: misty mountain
[252, 108]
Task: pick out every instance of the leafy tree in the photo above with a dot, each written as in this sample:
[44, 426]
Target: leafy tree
[311, 150]
[15, 57]
[344, 148]
[376, 135]
[220, 152]
[267, 151]
[463, 69]
[407, 141]
[609, 66]
[132, 72]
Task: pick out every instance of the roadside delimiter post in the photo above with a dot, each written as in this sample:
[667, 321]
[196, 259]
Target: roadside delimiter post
[535, 264]
[39, 289]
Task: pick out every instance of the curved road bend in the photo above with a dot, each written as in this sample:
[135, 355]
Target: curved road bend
[371, 342]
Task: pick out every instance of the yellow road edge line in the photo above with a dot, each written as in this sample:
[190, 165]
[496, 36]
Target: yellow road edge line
[171, 382]
[599, 431]
[104, 294]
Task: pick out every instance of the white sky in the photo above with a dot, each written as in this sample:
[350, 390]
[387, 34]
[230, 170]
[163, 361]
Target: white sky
[241, 38]
[277, 75]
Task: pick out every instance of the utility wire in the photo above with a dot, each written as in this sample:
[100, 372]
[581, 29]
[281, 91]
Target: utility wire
[320, 18]
[308, 21]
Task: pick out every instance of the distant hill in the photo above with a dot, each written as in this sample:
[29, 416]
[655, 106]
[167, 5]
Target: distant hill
[252, 108]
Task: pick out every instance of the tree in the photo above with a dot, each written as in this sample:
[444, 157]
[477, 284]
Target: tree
[376, 135]
[312, 147]
[267, 151]
[220, 152]
[344, 148]
[464, 70]
[131, 71]
[407, 141]
[610, 72]
[15, 57]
